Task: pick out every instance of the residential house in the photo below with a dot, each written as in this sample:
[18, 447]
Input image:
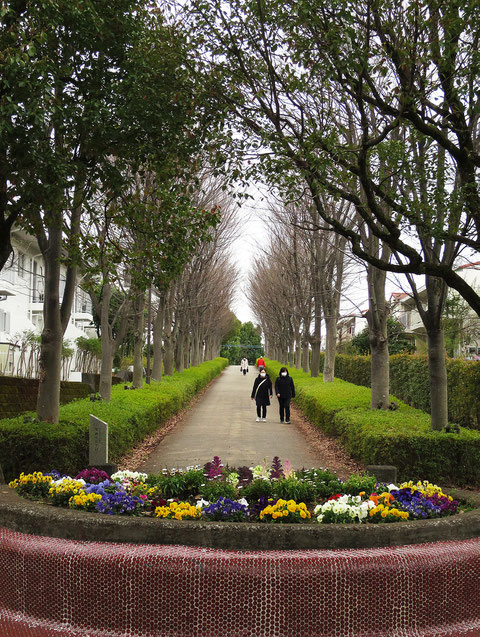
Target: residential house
[348, 327]
[22, 283]
[405, 311]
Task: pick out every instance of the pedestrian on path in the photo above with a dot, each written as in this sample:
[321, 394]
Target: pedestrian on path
[261, 393]
[285, 391]
[260, 363]
[244, 366]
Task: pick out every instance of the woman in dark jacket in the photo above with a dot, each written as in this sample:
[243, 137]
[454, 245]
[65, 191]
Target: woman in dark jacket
[261, 393]
[285, 391]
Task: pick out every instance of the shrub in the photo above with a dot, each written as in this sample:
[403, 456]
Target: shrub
[192, 481]
[214, 490]
[293, 489]
[402, 438]
[358, 483]
[324, 482]
[131, 416]
[409, 382]
[257, 489]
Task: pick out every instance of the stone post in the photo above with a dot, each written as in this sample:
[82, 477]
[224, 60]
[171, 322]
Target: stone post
[98, 446]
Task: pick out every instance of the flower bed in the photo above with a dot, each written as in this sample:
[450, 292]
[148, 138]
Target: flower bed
[267, 494]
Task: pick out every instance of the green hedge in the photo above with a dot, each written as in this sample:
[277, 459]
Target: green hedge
[409, 381]
[402, 438]
[18, 395]
[131, 416]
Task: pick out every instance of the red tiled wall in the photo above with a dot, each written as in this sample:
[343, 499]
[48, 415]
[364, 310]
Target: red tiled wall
[52, 587]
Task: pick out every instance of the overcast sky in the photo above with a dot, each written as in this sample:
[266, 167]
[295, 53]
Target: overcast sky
[249, 246]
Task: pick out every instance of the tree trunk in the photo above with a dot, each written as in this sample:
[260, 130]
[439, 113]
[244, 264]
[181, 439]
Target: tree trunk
[316, 343]
[186, 350]
[105, 387]
[330, 349]
[432, 319]
[438, 380]
[55, 315]
[5, 245]
[50, 360]
[157, 338]
[195, 349]
[380, 372]
[298, 350]
[208, 349]
[168, 357]
[305, 351]
[179, 353]
[378, 338]
[139, 314]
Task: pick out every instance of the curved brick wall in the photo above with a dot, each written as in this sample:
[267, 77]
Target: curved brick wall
[51, 587]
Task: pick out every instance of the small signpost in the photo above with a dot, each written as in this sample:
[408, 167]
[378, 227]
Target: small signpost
[383, 472]
[98, 446]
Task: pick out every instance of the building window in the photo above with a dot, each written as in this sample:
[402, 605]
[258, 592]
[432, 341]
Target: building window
[38, 283]
[21, 264]
[37, 320]
[4, 321]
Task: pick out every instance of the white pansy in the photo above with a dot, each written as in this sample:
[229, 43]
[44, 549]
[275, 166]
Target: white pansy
[121, 476]
[62, 480]
[202, 503]
[345, 505]
[392, 487]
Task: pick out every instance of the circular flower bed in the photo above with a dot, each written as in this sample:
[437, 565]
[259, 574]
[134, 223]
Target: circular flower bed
[268, 494]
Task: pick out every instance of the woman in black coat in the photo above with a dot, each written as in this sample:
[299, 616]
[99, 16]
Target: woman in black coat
[262, 392]
[285, 391]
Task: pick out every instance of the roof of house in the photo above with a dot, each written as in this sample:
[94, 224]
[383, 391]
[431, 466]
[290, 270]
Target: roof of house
[468, 265]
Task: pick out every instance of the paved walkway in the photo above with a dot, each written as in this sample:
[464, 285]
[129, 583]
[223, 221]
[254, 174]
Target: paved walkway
[223, 424]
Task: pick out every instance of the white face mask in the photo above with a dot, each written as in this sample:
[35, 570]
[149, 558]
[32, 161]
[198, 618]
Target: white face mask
[262, 374]
[284, 373]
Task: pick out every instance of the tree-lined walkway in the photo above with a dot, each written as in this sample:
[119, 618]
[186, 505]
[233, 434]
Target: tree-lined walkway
[223, 423]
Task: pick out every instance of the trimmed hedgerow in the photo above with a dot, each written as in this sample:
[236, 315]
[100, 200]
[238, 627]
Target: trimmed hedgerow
[402, 438]
[131, 416]
[409, 381]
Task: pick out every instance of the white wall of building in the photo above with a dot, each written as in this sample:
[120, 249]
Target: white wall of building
[21, 308]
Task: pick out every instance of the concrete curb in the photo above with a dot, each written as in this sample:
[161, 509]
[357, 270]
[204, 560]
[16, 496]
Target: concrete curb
[36, 518]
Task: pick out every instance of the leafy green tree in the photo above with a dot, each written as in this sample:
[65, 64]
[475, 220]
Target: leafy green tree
[251, 342]
[230, 347]
[243, 340]
[108, 88]
[398, 342]
[343, 104]
[461, 327]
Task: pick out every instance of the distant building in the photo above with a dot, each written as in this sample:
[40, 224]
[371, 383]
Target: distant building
[349, 326]
[404, 309]
[22, 284]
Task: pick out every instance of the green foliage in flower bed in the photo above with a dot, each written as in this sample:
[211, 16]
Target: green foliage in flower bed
[131, 416]
[409, 381]
[293, 496]
[402, 438]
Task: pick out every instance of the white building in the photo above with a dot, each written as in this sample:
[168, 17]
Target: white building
[349, 326]
[405, 311]
[22, 283]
